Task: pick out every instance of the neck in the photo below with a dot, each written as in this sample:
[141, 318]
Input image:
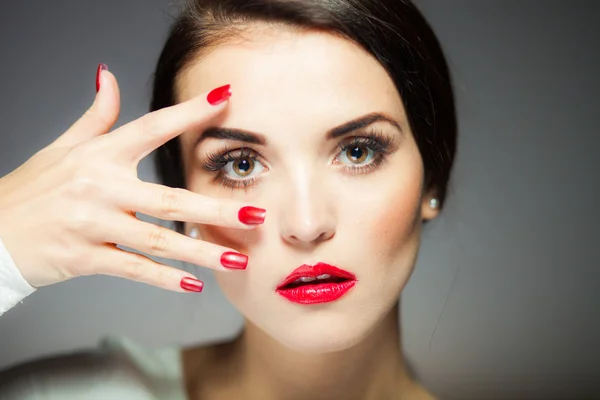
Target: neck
[372, 369]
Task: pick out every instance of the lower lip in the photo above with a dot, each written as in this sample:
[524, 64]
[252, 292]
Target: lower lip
[318, 293]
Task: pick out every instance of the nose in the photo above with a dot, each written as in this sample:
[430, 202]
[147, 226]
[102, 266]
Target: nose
[307, 215]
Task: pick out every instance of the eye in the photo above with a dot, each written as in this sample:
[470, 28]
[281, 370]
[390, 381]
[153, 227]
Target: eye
[357, 154]
[242, 167]
[363, 154]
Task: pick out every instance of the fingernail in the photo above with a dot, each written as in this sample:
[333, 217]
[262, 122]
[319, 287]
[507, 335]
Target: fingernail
[192, 285]
[233, 260]
[219, 95]
[252, 215]
[101, 67]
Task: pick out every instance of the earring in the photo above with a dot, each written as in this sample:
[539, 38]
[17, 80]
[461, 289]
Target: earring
[194, 233]
[433, 203]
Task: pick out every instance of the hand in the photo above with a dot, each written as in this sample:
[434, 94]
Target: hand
[64, 211]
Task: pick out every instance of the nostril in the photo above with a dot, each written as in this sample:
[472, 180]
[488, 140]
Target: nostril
[326, 235]
[311, 238]
[307, 230]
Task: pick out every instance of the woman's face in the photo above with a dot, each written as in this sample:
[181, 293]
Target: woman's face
[353, 201]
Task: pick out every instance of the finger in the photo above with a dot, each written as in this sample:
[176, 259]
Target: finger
[137, 139]
[139, 268]
[163, 242]
[176, 204]
[99, 118]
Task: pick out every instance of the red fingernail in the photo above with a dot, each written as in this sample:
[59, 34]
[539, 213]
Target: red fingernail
[252, 215]
[233, 260]
[191, 285]
[101, 67]
[219, 95]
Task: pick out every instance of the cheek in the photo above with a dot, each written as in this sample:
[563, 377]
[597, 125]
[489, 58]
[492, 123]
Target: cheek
[394, 214]
[395, 220]
[390, 234]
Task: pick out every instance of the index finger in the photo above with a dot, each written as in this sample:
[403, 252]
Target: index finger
[137, 139]
[178, 204]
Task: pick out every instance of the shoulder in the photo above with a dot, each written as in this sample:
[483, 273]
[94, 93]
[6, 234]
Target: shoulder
[109, 371]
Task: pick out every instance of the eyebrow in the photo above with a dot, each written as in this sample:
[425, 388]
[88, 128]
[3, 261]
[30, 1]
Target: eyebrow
[361, 122]
[241, 135]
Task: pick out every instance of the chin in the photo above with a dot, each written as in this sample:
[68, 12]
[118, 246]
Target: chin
[314, 328]
[318, 333]
[319, 345]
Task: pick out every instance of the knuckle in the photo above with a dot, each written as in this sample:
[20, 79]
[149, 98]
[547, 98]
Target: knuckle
[83, 186]
[74, 158]
[97, 117]
[81, 217]
[162, 275]
[78, 156]
[149, 124]
[158, 240]
[204, 253]
[214, 208]
[90, 113]
[221, 211]
[134, 268]
[170, 202]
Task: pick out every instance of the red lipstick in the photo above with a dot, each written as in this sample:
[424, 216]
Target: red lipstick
[320, 283]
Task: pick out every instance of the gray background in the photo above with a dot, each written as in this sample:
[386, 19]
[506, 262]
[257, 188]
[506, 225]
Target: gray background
[508, 273]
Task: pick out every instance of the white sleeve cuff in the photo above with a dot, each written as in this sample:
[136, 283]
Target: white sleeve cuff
[13, 287]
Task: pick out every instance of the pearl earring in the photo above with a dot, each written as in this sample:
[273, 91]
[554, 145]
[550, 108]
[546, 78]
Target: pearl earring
[433, 203]
[194, 233]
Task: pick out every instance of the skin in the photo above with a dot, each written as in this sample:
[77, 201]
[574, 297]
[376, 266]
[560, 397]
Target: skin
[291, 87]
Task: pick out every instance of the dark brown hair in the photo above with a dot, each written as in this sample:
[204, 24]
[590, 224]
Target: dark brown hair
[392, 31]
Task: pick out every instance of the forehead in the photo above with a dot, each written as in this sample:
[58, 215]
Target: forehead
[284, 77]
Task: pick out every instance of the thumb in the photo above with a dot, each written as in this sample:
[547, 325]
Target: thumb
[100, 117]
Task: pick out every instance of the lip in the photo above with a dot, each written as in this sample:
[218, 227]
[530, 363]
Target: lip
[317, 292]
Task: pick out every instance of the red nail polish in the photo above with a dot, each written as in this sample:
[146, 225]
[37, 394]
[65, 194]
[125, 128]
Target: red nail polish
[101, 67]
[191, 285]
[233, 260]
[219, 95]
[252, 215]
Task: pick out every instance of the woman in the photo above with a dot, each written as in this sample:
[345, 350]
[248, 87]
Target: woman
[305, 144]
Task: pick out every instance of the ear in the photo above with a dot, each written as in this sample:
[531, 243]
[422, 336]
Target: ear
[428, 212]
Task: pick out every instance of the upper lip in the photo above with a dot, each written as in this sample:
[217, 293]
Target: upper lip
[314, 271]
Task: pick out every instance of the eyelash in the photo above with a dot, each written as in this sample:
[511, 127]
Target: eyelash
[215, 162]
[380, 144]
